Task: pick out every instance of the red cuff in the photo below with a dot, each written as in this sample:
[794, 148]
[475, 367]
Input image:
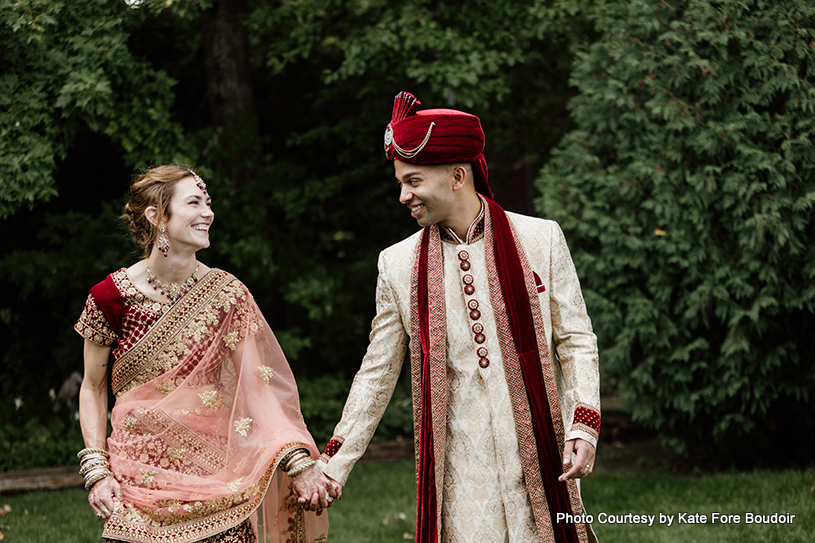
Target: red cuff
[587, 418]
[332, 448]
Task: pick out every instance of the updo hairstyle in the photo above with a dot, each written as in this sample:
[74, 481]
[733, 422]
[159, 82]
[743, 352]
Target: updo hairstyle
[155, 187]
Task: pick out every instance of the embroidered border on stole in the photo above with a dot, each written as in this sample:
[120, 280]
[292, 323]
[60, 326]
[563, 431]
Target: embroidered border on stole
[520, 402]
[438, 360]
[167, 327]
[198, 450]
[551, 386]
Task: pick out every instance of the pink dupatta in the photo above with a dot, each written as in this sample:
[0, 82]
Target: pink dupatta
[206, 407]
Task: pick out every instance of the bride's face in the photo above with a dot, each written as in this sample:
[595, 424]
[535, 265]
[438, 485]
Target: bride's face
[191, 216]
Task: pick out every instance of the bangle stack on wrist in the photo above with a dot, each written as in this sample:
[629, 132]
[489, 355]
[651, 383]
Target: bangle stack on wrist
[301, 467]
[94, 466]
[296, 461]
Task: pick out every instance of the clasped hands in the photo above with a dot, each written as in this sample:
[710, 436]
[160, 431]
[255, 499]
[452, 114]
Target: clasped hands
[314, 490]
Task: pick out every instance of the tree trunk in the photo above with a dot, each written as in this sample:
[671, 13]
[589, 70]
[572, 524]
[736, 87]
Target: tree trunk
[229, 87]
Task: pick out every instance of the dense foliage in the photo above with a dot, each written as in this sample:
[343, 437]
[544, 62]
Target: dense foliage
[687, 193]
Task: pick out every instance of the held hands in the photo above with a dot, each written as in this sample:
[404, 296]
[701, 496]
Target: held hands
[314, 490]
[583, 462]
[103, 495]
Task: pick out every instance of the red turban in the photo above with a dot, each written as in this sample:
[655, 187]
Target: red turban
[436, 136]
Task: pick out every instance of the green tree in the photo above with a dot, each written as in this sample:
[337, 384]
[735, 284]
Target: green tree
[687, 194]
[66, 69]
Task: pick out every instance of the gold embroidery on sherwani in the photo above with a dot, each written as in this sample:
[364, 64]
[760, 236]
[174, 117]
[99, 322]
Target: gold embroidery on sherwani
[392, 326]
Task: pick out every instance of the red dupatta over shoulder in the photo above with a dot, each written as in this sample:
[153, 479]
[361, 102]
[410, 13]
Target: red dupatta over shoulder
[536, 408]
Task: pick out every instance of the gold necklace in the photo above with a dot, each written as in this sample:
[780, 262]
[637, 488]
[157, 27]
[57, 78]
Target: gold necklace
[174, 291]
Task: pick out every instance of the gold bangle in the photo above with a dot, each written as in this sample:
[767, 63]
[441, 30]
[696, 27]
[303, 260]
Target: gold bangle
[93, 458]
[94, 473]
[287, 457]
[91, 450]
[89, 482]
[300, 468]
[294, 459]
[85, 468]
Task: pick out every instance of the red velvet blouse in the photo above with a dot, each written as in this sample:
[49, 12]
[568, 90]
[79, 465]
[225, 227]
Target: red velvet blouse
[118, 312]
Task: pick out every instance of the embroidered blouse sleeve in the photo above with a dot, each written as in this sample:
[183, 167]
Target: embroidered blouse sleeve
[94, 326]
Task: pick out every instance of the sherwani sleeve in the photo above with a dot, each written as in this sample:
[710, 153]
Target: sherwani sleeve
[576, 345]
[373, 385]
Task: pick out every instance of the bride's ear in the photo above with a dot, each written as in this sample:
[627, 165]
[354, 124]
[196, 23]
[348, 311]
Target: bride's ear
[151, 214]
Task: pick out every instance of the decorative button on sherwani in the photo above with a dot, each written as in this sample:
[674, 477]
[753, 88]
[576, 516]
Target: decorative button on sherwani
[482, 352]
[468, 279]
[469, 290]
[480, 338]
[463, 255]
[472, 304]
[484, 362]
[465, 265]
[478, 328]
[475, 314]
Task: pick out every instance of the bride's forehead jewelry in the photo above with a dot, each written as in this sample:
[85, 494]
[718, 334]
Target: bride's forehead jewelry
[199, 181]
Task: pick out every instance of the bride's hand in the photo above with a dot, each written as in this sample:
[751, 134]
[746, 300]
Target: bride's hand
[102, 496]
[314, 490]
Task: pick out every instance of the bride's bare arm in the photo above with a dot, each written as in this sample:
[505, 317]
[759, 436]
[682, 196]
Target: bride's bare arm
[93, 418]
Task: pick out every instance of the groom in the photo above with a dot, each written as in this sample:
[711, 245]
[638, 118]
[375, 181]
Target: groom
[504, 362]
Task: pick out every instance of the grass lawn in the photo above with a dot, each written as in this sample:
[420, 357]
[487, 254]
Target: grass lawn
[378, 506]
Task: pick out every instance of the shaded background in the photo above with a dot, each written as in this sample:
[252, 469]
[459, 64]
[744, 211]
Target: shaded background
[671, 140]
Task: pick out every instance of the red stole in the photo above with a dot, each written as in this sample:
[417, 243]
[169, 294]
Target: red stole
[425, 310]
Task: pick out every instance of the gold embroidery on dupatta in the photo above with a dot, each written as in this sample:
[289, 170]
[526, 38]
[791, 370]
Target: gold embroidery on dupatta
[231, 340]
[176, 456]
[211, 400]
[130, 424]
[235, 485]
[209, 456]
[209, 514]
[147, 476]
[243, 426]
[208, 320]
[168, 340]
[266, 373]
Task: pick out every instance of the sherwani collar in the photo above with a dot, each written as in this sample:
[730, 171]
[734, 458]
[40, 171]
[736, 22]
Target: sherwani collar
[474, 233]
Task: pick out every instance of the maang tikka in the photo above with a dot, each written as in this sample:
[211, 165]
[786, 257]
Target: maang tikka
[162, 242]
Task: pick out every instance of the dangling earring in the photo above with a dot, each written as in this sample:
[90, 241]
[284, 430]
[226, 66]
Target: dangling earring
[162, 242]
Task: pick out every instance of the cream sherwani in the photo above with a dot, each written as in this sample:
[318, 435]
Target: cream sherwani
[484, 497]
